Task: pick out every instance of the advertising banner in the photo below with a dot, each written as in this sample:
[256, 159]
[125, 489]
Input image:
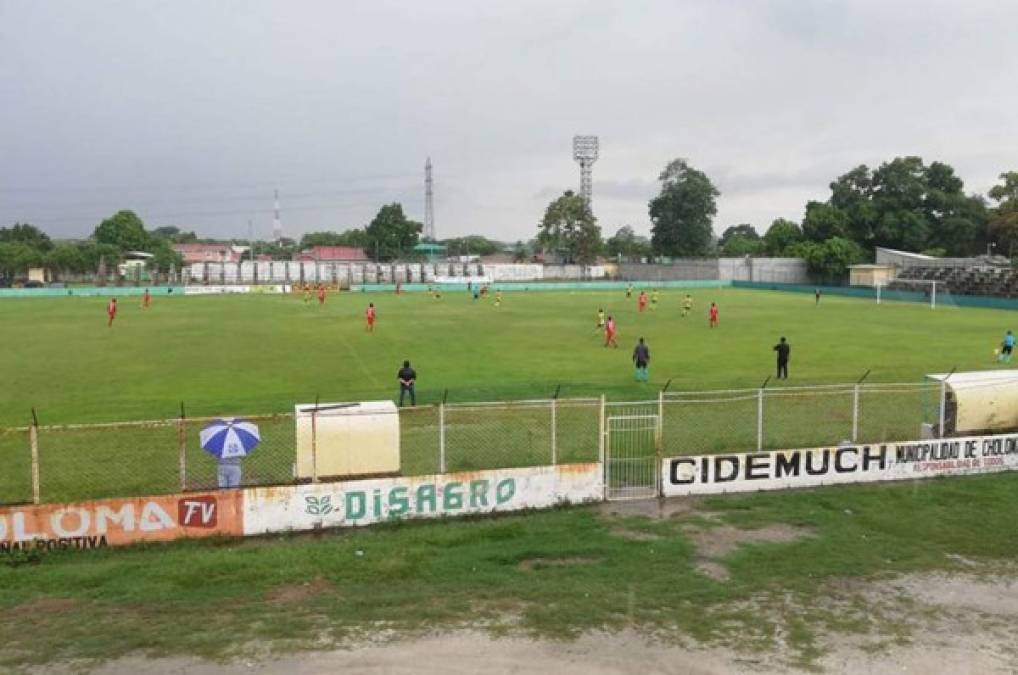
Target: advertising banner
[781, 469]
[235, 289]
[364, 502]
[117, 522]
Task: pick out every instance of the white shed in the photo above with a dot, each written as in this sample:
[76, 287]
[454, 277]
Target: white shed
[979, 401]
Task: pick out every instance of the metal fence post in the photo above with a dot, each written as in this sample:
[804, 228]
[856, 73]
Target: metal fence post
[182, 448]
[441, 437]
[855, 413]
[314, 441]
[600, 431]
[659, 432]
[601, 438]
[554, 449]
[943, 407]
[759, 419]
[33, 441]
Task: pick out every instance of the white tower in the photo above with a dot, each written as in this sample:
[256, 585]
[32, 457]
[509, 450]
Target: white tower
[277, 224]
[585, 153]
[429, 204]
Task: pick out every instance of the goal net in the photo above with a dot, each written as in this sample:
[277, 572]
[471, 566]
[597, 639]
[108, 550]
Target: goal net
[933, 293]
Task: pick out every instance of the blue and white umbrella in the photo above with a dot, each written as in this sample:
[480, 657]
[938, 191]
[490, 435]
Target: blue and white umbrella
[229, 438]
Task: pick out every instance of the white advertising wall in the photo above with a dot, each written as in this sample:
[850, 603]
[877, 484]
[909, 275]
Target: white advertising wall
[813, 467]
[220, 290]
[365, 502]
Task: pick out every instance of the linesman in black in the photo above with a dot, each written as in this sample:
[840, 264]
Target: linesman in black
[783, 349]
[407, 379]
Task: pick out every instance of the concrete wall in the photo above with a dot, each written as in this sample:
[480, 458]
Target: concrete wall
[780, 270]
[682, 268]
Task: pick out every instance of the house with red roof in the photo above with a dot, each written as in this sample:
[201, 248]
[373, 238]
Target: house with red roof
[333, 254]
[202, 253]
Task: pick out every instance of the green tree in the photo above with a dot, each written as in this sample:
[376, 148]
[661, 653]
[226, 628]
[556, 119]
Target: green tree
[823, 221]
[1006, 194]
[1003, 219]
[828, 260]
[743, 230]
[520, 252]
[353, 237]
[780, 236]
[740, 240]
[93, 252]
[284, 249]
[472, 245]
[741, 245]
[125, 230]
[26, 234]
[17, 256]
[391, 234]
[66, 258]
[570, 229]
[682, 213]
[902, 204]
[628, 245]
[174, 235]
[164, 257]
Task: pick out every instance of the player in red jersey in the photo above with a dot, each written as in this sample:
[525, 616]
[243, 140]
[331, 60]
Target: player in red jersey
[146, 299]
[370, 316]
[712, 315]
[321, 295]
[642, 300]
[111, 311]
[609, 333]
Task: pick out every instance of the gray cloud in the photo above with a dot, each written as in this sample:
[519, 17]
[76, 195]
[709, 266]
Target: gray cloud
[191, 112]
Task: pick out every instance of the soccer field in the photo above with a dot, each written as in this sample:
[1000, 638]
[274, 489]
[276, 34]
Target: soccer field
[256, 355]
[262, 354]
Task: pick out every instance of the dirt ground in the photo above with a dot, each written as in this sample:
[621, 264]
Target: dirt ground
[966, 626]
[597, 654]
[958, 623]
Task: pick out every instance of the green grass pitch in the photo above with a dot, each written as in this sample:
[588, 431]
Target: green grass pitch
[261, 354]
[247, 355]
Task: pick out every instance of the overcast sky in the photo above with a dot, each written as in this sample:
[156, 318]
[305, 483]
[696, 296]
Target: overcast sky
[191, 112]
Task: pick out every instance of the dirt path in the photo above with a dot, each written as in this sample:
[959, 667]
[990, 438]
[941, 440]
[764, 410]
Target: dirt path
[957, 623]
[467, 652]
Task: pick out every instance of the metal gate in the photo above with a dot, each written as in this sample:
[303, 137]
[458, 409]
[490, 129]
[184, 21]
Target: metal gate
[631, 458]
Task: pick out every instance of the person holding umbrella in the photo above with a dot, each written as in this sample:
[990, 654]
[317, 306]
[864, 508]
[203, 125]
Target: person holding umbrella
[229, 440]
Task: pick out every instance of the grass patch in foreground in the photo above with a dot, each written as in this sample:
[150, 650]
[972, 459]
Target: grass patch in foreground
[552, 574]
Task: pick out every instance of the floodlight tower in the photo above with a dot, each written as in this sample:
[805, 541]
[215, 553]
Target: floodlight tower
[585, 153]
[429, 204]
[277, 224]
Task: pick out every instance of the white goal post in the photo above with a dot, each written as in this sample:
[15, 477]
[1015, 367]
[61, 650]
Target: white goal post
[927, 286]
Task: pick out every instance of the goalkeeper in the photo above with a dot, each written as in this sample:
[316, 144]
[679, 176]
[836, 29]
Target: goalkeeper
[1006, 347]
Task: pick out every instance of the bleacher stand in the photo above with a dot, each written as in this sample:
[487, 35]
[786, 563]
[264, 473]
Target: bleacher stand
[983, 279]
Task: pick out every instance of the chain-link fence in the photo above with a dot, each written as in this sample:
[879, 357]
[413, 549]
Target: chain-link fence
[80, 462]
[795, 417]
[15, 466]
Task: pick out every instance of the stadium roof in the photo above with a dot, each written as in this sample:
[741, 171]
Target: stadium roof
[976, 378]
[907, 254]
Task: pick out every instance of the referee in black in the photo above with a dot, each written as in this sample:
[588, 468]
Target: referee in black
[783, 349]
[407, 378]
